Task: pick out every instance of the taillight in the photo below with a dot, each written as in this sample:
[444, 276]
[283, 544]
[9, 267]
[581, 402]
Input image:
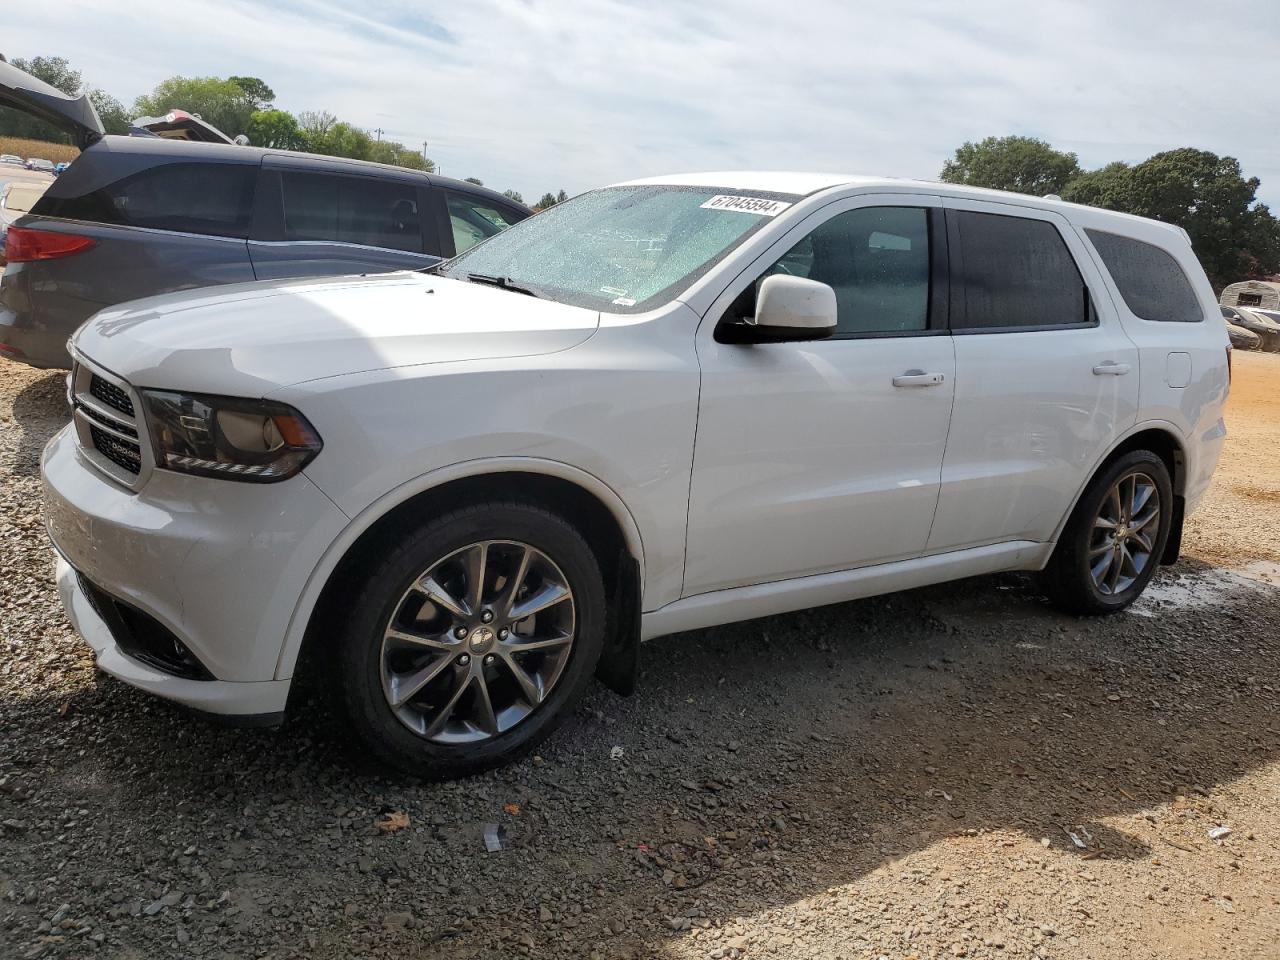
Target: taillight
[22, 244]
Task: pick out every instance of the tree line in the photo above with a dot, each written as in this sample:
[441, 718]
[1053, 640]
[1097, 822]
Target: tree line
[1235, 236]
[235, 105]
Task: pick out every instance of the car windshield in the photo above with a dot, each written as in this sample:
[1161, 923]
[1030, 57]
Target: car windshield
[620, 249]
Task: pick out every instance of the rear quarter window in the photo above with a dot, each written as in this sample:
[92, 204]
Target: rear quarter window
[1150, 280]
[213, 199]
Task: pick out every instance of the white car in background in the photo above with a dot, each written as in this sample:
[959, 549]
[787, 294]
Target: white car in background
[657, 407]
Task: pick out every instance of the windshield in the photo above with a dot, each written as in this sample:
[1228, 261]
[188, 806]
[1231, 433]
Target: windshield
[621, 249]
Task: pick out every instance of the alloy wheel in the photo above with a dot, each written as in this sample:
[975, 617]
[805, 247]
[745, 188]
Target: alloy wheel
[477, 642]
[1124, 533]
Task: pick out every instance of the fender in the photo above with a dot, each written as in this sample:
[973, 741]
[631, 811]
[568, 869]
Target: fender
[292, 641]
[1163, 425]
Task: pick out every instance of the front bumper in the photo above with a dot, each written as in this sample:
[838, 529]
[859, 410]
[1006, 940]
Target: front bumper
[260, 699]
[219, 564]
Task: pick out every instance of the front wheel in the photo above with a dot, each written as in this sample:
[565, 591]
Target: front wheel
[472, 639]
[1114, 540]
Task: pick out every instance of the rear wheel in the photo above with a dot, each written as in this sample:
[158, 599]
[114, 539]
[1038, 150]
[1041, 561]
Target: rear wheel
[1114, 540]
[472, 639]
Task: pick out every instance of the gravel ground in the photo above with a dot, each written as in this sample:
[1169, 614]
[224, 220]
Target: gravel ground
[899, 777]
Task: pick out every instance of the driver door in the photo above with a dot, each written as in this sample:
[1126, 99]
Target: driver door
[818, 456]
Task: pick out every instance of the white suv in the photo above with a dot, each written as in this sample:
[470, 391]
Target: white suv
[660, 406]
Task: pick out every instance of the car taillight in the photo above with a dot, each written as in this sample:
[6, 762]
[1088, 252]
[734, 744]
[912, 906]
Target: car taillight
[22, 245]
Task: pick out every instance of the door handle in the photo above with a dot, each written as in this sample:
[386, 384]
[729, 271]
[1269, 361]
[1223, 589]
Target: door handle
[1111, 369]
[918, 378]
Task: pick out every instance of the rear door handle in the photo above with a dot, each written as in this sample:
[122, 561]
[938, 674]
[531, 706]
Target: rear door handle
[1111, 369]
[918, 378]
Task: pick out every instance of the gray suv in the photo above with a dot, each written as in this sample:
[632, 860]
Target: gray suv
[136, 216]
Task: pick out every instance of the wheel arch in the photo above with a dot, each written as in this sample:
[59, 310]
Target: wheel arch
[600, 514]
[1166, 441]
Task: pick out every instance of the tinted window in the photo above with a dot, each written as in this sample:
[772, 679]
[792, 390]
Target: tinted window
[1016, 273]
[372, 213]
[205, 198]
[1150, 280]
[877, 261]
[474, 219]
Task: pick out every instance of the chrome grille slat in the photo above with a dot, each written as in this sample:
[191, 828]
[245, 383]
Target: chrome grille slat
[104, 419]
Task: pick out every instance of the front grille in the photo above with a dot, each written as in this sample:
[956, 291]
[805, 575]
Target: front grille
[107, 424]
[111, 395]
[141, 636]
[125, 455]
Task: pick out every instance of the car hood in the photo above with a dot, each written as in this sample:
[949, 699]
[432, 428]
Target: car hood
[251, 338]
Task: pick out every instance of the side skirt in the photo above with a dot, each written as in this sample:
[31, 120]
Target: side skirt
[767, 599]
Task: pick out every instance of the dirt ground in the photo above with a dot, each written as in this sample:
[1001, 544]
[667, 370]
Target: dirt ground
[951, 772]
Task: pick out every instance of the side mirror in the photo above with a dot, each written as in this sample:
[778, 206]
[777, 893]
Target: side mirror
[792, 308]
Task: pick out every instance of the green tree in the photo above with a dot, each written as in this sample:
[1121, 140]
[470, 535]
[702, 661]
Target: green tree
[513, 195]
[343, 140]
[55, 71]
[315, 126]
[561, 197]
[276, 129]
[259, 94]
[476, 180]
[1020, 164]
[1104, 187]
[114, 117]
[220, 102]
[1235, 237]
[548, 200]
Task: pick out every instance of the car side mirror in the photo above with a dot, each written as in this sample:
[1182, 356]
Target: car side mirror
[792, 308]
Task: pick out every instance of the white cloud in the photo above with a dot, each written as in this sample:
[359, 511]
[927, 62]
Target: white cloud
[574, 93]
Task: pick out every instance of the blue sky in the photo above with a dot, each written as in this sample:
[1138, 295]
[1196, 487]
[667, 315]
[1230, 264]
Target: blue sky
[576, 93]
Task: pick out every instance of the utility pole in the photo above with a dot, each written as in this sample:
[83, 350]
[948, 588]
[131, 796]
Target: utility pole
[378, 131]
[424, 153]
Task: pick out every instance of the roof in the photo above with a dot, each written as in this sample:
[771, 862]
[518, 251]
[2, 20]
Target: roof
[230, 153]
[807, 183]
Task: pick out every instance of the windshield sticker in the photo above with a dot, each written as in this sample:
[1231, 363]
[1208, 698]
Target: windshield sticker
[616, 291]
[757, 205]
[624, 302]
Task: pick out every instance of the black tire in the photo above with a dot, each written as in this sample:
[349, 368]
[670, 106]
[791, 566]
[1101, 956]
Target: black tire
[1068, 579]
[373, 720]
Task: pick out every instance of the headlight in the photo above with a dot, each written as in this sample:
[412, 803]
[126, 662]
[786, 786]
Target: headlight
[254, 440]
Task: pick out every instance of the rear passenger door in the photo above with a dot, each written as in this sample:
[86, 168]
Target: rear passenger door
[310, 222]
[1045, 375]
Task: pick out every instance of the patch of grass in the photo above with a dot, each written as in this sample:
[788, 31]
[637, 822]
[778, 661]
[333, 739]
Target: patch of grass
[57, 152]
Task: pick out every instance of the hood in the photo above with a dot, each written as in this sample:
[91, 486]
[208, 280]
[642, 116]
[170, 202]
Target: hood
[251, 338]
[25, 93]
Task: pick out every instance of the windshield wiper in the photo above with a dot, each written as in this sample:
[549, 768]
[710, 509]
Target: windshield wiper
[504, 283]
